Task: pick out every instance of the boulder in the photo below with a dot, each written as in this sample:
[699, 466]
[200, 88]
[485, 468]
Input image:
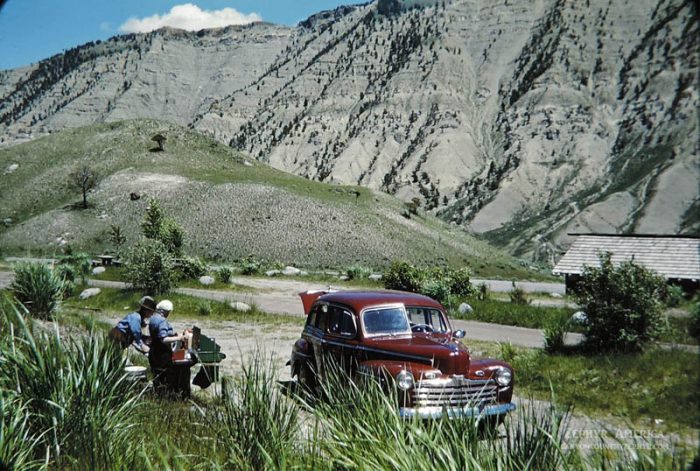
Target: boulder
[239, 306]
[579, 317]
[206, 280]
[98, 270]
[272, 273]
[465, 308]
[343, 277]
[374, 277]
[555, 295]
[89, 293]
[291, 271]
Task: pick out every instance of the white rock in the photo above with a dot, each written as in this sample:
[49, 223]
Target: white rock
[343, 277]
[90, 292]
[272, 273]
[206, 280]
[555, 295]
[374, 277]
[303, 273]
[239, 306]
[98, 270]
[11, 168]
[579, 317]
[465, 308]
[247, 164]
[291, 271]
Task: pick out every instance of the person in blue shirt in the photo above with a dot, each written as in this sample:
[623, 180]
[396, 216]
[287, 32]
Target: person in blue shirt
[169, 378]
[128, 330]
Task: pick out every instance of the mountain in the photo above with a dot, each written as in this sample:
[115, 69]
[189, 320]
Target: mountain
[229, 205]
[520, 120]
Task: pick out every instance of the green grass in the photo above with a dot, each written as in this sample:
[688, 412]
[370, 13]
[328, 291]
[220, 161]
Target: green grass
[657, 384]
[119, 302]
[506, 313]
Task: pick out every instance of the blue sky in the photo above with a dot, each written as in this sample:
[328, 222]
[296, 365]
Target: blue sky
[31, 30]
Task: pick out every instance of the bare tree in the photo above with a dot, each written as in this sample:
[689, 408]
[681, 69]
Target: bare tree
[84, 179]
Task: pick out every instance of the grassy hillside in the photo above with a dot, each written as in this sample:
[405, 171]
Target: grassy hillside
[230, 206]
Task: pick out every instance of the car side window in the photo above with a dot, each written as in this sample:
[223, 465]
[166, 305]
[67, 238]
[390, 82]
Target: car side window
[427, 316]
[313, 316]
[340, 321]
[321, 320]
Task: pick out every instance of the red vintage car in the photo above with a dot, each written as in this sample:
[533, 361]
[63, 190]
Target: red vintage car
[407, 337]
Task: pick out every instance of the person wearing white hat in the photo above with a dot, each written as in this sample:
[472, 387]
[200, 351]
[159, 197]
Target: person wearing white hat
[169, 378]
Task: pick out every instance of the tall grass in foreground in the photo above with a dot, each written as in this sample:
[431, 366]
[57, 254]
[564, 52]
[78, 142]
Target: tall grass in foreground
[360, 429]
[257, 424]
[79, 401]
[16, 440]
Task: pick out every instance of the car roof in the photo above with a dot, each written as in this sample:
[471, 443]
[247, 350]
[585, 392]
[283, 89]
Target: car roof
[359, 300]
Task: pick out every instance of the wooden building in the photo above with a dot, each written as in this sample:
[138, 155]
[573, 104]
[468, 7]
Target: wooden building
[676, 258]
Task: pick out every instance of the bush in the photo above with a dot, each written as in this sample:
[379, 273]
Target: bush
[225, 274]
[674, 296]
[157, 226]
[403, 276]
[356, 272]
[204, 309]
[69, 276]
[623, 305]
[460, 283]
[517, 295]
[149, 267]
[437, 289]
[482, 293]
[191, 268]
[554, 334]
[250, 266]
[694, 327]
[79, 261]
[38, 288]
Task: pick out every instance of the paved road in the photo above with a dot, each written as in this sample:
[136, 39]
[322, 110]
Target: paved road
[503, 286]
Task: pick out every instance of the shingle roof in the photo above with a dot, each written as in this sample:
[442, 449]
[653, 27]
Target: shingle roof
[671, 257]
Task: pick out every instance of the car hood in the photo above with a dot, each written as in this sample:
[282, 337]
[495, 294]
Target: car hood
[449, 356]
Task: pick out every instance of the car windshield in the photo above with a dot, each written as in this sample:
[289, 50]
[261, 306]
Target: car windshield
[386, 321]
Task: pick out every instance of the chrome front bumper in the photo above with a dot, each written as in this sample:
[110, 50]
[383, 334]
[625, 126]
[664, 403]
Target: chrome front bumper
[436, 412]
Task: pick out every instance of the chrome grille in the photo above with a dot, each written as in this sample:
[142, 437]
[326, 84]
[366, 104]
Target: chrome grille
[454, 392]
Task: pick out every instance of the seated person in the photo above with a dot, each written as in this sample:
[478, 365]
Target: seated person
[170, 378]
[128, 330]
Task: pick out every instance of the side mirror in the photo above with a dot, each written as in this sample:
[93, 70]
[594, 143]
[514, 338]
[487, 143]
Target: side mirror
[458, 334]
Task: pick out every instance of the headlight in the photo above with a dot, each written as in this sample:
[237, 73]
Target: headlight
[504, 376]
[404, 380]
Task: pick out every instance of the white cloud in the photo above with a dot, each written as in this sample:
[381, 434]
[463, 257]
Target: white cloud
[189, 17]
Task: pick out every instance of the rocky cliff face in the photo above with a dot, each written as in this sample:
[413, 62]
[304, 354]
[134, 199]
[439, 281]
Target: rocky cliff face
[524, 120]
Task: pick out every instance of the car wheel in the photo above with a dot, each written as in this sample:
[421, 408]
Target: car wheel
[307, 377]
[488, 426]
